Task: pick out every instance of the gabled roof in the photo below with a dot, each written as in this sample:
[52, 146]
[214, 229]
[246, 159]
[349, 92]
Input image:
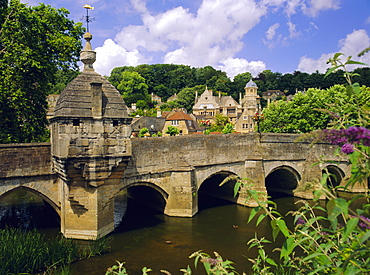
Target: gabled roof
[180, 115]
[271, 92]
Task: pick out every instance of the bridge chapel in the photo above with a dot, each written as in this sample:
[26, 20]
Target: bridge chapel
[90, 148]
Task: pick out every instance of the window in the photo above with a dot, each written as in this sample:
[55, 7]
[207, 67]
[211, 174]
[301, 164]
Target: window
[245, 117]
[76, 122]
[231, 111]
[175, 123]
[245, 126]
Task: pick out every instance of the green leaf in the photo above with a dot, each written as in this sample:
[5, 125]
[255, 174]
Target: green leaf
[275, 229]
[313, 255]
[365, 237]
[351, 224]
[237, 187]
[355, 62]
[254, 211]
[260, 218]
[271, 262]
[287, 248]
[283, 228]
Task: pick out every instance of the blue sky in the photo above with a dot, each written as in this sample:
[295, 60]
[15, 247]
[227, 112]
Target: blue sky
[231, 35]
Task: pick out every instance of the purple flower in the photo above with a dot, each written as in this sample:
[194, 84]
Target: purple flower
[300, 220]
[347, 148]
[211, 261]
[352, 135]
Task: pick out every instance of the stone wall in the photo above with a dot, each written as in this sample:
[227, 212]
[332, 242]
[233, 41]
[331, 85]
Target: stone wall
[22, 160]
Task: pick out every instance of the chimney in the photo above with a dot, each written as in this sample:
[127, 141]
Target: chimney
[97, 100]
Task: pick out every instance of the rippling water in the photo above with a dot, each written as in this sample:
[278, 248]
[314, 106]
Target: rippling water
[147, 239]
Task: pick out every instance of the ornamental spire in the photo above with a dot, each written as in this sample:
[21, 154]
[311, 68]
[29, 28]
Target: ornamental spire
[88, 56]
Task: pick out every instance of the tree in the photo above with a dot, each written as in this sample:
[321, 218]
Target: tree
[304, 113]
[34, 43]
[172, 130]
[133, 87]
[62, 78]
[186, 97]
[228, 129]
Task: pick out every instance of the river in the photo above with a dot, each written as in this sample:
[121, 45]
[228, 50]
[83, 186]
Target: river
[147, 238]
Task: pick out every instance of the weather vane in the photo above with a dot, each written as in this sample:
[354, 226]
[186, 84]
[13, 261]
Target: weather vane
[87, 18]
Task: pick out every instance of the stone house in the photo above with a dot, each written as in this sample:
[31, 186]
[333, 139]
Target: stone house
[186, 123]
[271, 95]
[207, 106]
[153, 124]
[251, 108]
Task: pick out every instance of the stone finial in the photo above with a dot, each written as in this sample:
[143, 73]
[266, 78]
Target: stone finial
[88, 56]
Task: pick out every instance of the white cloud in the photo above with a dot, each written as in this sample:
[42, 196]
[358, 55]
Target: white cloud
[199, 39]
[315, 6]
[112, 55]
[352, 45]
[271, 32]
[235, 66]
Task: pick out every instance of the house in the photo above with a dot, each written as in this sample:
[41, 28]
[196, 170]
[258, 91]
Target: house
[271, 95]
[153, 124]
[172, 97]
[251, 109]
[186, 123]
[207, 106]
[156, 98]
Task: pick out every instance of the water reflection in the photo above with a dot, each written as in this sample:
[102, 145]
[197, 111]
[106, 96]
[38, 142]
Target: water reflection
[149, 239]
[23, 209]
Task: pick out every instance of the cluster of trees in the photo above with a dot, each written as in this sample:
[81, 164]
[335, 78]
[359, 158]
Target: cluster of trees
[35, 42]
[137, 83]
[39, 49]
[313, 110]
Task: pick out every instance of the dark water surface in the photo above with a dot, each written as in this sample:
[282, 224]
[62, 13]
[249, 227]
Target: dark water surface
[147, 239]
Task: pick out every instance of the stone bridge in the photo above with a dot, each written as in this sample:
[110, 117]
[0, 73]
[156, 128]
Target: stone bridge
[170, 173]
[91, 162]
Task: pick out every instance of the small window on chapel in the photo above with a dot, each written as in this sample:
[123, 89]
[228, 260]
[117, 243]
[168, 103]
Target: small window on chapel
[115, 123]
[76, 122]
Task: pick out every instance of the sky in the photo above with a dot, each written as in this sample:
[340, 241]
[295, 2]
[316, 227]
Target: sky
[234, 36]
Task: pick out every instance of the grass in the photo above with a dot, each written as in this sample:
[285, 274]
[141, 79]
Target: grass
[28, 252]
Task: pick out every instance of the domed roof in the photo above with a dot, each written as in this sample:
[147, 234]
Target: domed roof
[251, 84]
[79, 98]
[76, 99]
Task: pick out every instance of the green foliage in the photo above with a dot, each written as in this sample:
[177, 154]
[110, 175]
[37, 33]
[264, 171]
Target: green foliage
[211, 265]
[314, 110]
[133, 88]
[144, 132]
[28, 251]
[228, 129]
[333, 239]
[34, 43]
[62, 79]
[172, 130]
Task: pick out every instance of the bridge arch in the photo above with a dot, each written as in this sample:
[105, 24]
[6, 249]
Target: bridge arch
[210, 187]
[148, 193]
[281, 181]
[34, 191]
[335, 175]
